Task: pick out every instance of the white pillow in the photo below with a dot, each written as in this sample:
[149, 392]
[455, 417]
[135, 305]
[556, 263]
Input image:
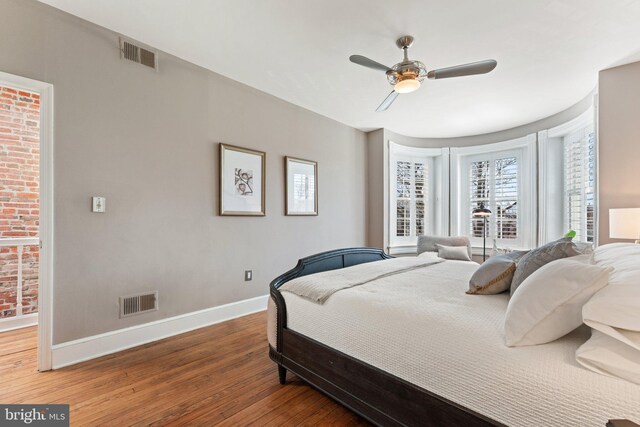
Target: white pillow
[614, 315]
[460, 253]
[608, 356]
[548, 304]
[615, 310]
[624, 257]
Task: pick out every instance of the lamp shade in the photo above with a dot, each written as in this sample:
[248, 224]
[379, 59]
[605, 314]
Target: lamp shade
[624, 223]
[407, 86]
[481, 211]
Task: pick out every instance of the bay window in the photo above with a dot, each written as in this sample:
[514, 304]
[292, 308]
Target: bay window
[537, 187]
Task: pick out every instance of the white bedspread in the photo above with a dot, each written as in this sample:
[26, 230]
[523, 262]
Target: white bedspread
[422, 327]
[320, 286]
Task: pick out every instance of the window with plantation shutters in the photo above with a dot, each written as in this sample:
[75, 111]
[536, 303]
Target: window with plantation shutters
[505, 202]
[580, 182]
[567, 163]
[500, 177]
[493, 183]
[479, 184]
[411, 197]
[418, 195]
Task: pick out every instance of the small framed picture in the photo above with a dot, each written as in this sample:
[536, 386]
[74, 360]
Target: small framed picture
[301, 187]
[242, 181]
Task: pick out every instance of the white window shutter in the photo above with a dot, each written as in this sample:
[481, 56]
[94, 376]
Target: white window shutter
[479, 192]
[415, 202]
[502, 176]
[506, 198]
[494, 184]
[579, 180]
[411, 197]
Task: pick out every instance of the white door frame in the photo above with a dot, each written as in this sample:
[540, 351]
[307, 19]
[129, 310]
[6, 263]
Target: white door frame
[45, 276]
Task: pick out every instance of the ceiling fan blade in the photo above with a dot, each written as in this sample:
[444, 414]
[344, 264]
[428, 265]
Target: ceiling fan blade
[387, 101]
[369, 63]
[480, 67]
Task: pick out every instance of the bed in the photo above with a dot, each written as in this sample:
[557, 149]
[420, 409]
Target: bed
[414, 349]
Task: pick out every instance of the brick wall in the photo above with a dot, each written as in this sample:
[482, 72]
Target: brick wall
[19, 195]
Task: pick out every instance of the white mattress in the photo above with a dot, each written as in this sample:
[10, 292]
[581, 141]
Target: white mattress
[422, 327]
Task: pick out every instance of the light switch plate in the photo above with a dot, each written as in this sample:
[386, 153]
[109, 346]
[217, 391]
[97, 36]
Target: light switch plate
[248, 275]
[99, 204]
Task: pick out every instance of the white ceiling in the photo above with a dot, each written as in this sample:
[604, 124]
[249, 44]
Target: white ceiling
[549, 52]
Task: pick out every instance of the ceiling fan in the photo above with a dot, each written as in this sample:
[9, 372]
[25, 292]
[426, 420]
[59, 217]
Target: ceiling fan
[407, 76]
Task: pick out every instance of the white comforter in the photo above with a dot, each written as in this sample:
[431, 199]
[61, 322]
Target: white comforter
[422, 327]
[320, 286]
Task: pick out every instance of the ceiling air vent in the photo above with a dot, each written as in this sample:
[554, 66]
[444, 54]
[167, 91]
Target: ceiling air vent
[139, 303]
[133, 52]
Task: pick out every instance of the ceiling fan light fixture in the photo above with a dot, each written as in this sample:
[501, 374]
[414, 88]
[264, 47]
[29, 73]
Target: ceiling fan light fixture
[407, 86]
[407, 76]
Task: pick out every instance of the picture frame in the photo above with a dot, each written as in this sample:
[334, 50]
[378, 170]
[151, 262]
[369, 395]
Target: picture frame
[242, 181]
[301, 187]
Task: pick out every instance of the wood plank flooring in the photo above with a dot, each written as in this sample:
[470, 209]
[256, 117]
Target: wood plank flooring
[219, 375]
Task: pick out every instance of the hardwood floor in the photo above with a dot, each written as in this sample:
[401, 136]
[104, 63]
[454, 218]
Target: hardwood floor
[219, 375]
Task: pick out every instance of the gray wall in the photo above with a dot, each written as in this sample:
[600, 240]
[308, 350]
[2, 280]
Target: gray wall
[148, 142]
[619, 147]
[377, 222]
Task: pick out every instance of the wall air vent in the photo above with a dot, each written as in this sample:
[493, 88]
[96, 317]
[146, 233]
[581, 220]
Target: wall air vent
[132, 51]
[139, 303]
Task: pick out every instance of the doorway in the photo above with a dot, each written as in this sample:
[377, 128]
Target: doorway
[26, 201]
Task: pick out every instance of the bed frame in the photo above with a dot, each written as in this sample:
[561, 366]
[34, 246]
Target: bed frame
[376, 395]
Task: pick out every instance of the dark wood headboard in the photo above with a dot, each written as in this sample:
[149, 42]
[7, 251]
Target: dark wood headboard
[330, 260]
[324, 261]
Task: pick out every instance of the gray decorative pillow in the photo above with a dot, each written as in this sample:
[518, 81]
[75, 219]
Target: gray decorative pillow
[453, 252]
[428, 243]
[543, 255]
[494, 275]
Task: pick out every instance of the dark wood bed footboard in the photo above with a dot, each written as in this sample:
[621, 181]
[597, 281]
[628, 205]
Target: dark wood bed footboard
[376, 395]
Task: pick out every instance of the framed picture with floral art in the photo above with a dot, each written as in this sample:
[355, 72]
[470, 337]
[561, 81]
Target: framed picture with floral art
[242, 181]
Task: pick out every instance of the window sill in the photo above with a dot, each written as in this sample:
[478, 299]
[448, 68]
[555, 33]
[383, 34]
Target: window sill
[405, 250]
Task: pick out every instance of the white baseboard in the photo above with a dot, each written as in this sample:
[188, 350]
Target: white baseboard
[11, 323]
[80, 350]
